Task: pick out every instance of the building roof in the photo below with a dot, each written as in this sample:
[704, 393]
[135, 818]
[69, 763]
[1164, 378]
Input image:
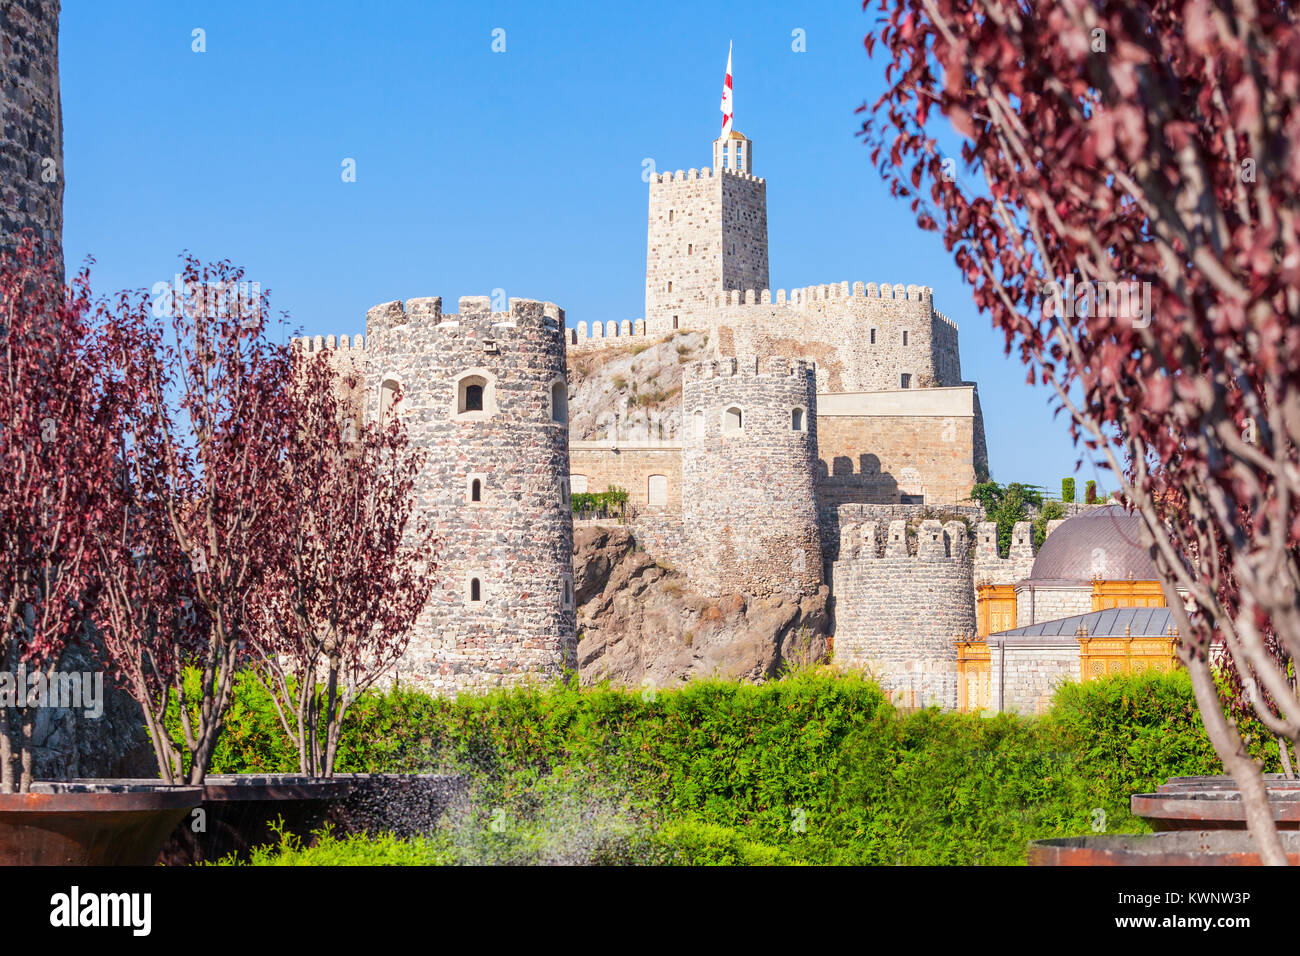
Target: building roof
[1099, 543]
[1140, 621]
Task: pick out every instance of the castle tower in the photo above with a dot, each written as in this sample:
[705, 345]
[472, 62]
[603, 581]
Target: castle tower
[707, 234]
[901, 604]
[749, 459]
[485, 395]
[31, 124]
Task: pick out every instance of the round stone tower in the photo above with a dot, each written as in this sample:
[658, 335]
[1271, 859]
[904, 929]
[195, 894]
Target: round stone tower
[31, 124]
[749, 466]
[484, 393]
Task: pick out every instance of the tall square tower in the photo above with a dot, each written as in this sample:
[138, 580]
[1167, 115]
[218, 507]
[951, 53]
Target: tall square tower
[707, 234]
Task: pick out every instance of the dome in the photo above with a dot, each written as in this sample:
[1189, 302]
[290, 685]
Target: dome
[1100, 543]
[736, 134]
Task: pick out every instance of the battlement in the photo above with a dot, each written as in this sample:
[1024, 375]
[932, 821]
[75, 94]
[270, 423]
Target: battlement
[825, 293]
[732, 367]
[990, 568]
[319, 343]
[705, 173]
[605, 334]
[873, 541]
[475, 314]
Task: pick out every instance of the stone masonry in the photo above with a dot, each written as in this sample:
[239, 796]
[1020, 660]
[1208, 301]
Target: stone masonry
[707, 232]
[31, 123]
[484, 394]
[898, 612]
[748, 489]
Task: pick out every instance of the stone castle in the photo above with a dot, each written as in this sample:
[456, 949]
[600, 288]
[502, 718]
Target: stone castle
[820, 428]
[818, 407]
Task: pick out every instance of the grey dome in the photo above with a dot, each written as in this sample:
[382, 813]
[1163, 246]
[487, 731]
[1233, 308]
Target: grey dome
[1103, 543]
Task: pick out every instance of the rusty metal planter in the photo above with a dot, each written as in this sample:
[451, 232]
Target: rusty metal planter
[64, 824]
[1225, 782]
[239, 811]
[1176, 848]
[1217, 808]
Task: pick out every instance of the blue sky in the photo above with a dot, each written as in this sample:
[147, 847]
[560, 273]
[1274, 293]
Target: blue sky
[477, 170]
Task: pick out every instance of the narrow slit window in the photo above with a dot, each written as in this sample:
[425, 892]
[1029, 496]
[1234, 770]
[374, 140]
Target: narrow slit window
[475, 590]
[476, 490]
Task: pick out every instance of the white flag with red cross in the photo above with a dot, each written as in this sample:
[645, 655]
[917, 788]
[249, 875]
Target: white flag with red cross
[727, 108]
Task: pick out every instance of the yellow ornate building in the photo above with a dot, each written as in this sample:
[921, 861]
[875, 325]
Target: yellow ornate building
[1090, 606]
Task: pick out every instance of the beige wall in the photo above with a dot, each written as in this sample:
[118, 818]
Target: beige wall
[629, 464]
[875, 446]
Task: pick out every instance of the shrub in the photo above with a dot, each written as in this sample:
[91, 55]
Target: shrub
[815, 767]
[1067, 490]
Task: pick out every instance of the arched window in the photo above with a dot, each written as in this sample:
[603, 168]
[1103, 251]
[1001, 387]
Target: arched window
[568, 593]
[657, 491]
[559, 402]
[733, 419]
[698, 420]
[797, 422]
[475, 589]
[474, 395]
[476, 490]
[387, 400]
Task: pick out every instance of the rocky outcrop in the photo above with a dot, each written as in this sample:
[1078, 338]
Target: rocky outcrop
[638, 386]
[639, 620]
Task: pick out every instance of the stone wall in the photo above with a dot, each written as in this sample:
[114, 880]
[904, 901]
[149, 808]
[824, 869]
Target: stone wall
[31, 123]
[1025, 672]
[517, 541]
[630, 465]
[885, 447]
[748, 489]
[899, 608]
[744, 231]
[835, 517]
[1051, 602]
[662, 535]
[990, 568]
[707, 232]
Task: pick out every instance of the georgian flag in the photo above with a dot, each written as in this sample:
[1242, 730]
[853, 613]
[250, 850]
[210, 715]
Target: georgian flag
[726, 98]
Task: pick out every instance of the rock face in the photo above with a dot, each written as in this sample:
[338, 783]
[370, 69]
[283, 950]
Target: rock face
[639, 620]
[69, 743]
[638, 387]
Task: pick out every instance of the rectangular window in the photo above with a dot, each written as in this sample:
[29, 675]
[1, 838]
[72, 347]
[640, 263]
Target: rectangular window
[904, 338]
[873, 336]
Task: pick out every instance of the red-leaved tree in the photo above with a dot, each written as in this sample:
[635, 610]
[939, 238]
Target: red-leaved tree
[1123, 200]
[56, 467]
[358, 561]
[194, 517]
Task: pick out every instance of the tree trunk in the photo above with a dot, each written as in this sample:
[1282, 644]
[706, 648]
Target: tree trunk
[1232, 751]
[1285, 759]
[6, 754]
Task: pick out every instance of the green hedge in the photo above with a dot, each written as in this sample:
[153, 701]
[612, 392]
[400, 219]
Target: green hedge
[816, 767]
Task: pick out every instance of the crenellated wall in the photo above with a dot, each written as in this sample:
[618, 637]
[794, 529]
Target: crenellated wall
[901, 604]
[516, 540]
[706, 231]
[749, 503]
